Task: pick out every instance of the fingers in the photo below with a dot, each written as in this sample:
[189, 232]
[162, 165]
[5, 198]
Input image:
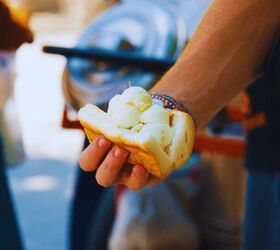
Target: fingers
[109, 169]
[113, 169]
[94, 153]
[136, 179]
[153, 181]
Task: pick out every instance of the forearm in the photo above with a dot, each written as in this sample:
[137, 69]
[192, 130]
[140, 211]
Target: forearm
[224, 56]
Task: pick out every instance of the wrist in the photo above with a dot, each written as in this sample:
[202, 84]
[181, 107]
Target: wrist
[169, 102]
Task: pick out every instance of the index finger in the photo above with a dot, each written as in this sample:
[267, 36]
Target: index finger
[109, 169]
[94, 153]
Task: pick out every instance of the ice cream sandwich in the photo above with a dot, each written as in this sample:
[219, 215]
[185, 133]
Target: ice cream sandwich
[159, 139]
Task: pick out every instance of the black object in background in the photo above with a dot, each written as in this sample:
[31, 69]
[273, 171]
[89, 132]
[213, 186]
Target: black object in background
[120, 57]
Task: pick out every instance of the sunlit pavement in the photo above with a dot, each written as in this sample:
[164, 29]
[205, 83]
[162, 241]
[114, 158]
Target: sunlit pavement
[42, 192]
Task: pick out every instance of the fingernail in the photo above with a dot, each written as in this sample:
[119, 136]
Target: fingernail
[102, 142]
[118, 152]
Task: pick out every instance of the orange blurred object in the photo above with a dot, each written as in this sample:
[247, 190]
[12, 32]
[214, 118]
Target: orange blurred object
[14, 28]
[20, 15]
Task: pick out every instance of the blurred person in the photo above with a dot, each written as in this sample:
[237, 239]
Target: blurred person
[9, 233]
[228, 53]
[12, 35]
[84, 206]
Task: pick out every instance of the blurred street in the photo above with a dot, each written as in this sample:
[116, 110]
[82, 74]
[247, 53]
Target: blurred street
[42, 184]
[42, 192]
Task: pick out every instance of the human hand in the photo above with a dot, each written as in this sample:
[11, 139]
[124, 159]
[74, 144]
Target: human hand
[109, 162]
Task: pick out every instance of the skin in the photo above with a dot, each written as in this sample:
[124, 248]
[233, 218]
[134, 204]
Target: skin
[223, 57]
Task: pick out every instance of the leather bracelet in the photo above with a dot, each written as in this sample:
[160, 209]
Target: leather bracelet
[167, 101]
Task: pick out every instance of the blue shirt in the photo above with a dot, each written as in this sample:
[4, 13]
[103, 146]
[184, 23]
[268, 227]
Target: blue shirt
[263, 142]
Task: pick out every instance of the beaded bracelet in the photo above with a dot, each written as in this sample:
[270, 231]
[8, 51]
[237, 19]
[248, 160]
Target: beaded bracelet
[167, 101]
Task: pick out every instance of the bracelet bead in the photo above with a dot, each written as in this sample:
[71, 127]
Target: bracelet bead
[167, 102]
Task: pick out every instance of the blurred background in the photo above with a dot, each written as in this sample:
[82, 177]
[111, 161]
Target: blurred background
[43, 156]
[40, 94]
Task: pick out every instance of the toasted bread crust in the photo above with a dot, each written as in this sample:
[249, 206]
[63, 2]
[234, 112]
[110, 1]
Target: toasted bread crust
[190, 134]
[189, 137]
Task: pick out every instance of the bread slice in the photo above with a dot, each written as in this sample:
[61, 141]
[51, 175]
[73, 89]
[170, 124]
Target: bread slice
[144, 150]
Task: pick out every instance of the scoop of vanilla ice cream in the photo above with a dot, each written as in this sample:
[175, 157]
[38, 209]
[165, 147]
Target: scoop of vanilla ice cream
[155, 114]
[125, 116]
[138, 97]
[133, 108]
[161, 132]
[113, 104]
[137, 127]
